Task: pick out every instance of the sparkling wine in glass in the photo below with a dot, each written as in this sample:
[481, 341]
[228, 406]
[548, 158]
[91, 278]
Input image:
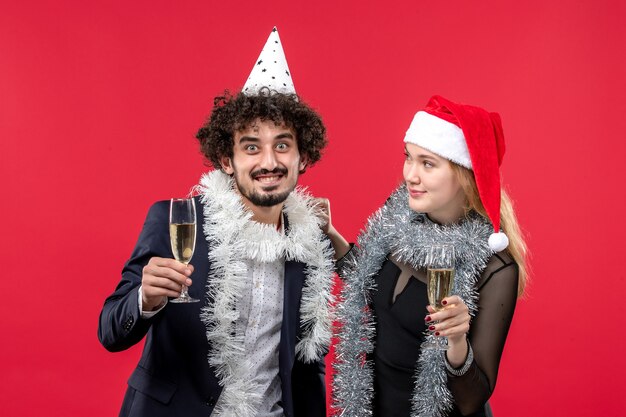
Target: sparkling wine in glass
[440, 262]
[183, 237]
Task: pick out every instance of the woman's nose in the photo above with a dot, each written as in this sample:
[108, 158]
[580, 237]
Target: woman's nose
[413, 174]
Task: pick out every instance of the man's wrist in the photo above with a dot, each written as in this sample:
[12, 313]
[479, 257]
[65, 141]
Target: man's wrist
[145, 310]
[147, 306]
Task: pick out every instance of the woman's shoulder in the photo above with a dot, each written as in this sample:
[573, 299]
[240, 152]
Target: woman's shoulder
[501, 259]
[500, 266]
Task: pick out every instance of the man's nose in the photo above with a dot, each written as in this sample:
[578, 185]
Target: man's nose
[268, 160]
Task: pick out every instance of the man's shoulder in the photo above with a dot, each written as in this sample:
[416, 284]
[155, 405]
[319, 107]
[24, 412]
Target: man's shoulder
[163, 206]
[158, 208]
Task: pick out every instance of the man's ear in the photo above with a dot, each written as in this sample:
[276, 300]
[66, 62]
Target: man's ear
[304, 161]
[227, 165]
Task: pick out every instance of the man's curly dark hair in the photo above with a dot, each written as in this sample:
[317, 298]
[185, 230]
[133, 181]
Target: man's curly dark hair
[236, 113]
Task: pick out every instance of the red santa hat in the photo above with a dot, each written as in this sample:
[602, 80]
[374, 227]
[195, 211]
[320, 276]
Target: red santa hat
[471, 137]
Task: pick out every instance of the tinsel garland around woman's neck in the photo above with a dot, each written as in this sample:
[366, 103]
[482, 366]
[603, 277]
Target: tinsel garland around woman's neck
[397, 230]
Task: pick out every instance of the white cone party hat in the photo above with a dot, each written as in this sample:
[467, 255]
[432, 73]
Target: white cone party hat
[270, 69]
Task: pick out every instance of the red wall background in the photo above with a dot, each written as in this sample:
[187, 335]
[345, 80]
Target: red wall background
[99, 103]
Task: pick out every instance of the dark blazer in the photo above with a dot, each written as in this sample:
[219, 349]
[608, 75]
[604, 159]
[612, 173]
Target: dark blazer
[173, 377]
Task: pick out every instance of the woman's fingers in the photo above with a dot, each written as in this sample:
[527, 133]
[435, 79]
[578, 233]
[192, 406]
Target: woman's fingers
[453, 319]
[323, 212]
[449, 329]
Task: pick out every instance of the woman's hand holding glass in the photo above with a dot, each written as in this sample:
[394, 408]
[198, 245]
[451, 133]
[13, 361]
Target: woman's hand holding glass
[451, 322]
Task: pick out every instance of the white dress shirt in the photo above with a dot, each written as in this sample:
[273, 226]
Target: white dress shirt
[260, 319]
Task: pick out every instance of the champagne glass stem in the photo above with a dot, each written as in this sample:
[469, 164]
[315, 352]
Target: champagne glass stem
[183, 292]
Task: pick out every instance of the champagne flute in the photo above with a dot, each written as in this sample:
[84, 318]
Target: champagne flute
[440, 264]
[183, 237]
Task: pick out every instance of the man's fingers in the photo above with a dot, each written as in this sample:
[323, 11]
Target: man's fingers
[166, 272]
[152, 282]
[179, 267]
[159, 292]
[164, 277]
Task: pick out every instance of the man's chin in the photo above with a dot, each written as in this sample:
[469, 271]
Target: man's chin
[268, 199]
[269, 189]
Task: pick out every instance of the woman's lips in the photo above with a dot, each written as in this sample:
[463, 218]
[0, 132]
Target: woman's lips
[416, 193]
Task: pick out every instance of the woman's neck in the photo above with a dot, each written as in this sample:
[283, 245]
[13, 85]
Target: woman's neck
[447, 218]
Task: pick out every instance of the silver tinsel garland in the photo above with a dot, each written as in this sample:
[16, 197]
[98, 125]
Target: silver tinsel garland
[398, 230]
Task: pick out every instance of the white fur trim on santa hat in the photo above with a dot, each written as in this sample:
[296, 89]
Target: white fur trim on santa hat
[440, 137]
[498, 241]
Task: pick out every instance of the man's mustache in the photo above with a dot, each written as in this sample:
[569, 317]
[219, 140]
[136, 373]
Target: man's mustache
[275, 171]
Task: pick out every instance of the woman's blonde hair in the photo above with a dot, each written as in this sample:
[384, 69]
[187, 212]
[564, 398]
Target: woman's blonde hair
[508, 221]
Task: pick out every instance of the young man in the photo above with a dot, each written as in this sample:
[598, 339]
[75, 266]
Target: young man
[255, 344]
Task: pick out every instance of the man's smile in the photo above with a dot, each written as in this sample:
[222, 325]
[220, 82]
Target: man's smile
[269, 178]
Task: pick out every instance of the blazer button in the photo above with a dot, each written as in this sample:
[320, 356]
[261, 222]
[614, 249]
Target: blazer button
[128, 323]
[211, 402]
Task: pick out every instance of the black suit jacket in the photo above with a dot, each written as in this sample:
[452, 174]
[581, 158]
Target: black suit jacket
[173, 377]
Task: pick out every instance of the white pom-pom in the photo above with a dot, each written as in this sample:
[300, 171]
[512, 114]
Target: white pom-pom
[498, 241]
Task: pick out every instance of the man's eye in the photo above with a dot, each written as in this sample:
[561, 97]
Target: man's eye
[282, 146]
[251, 148]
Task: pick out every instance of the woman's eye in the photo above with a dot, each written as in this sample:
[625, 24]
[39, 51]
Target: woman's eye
[427, 164]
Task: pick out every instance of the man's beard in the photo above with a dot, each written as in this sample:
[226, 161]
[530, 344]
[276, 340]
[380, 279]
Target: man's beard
[264, 200]
[268, 200]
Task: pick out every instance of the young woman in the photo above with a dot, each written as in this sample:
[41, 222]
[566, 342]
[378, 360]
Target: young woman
[451, 195]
